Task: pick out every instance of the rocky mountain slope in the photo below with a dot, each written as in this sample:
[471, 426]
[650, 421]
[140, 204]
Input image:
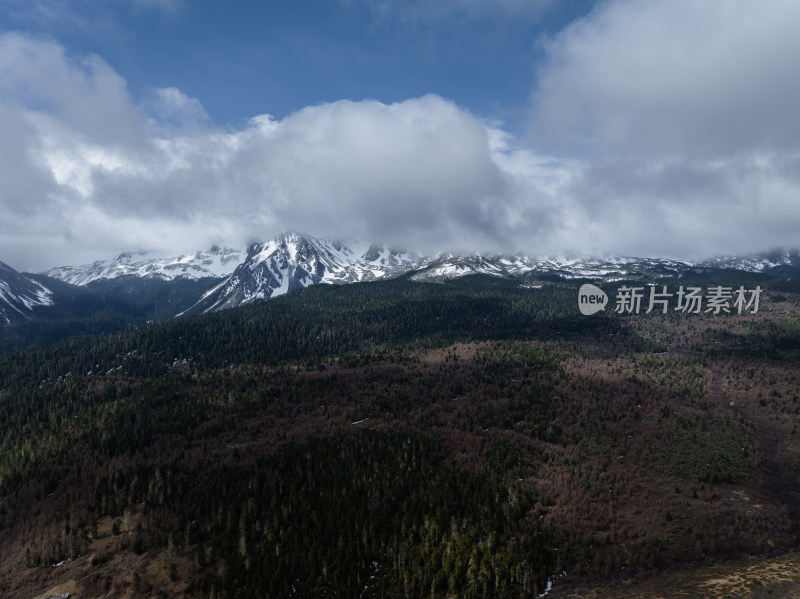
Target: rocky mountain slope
[19, 295]
[293, 260]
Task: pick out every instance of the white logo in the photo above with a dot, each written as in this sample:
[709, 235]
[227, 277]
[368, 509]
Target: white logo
[591, 299]
[690, 300]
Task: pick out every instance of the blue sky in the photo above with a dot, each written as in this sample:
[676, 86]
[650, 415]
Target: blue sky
[616, 127]
[243, 58]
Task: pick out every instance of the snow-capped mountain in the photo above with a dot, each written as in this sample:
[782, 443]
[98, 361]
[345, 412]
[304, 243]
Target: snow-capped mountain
[449, 266]
[294, 260]
[781, 262]
[776, 263]
[213, 263]
[19, 295]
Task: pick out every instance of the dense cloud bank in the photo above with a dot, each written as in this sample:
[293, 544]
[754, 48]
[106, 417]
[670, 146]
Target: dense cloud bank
[655, 129]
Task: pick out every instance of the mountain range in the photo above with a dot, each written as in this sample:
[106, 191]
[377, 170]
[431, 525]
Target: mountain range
[220, 278]
[213, 263]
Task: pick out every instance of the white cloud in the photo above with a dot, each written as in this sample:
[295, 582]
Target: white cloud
[83, 93]
[685, 118]
[171, 110]
[670, 77]
[406, 172]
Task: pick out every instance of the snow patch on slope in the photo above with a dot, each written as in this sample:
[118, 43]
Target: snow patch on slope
[19, 295]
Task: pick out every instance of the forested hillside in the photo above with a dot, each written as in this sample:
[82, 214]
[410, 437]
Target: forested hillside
[472, 438]
[315, 322]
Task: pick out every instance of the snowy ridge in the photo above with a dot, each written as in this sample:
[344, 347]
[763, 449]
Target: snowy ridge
[19, 295]
[572, 267]
[449, 267]
[216, 262]
[294, 260]
[774, 260]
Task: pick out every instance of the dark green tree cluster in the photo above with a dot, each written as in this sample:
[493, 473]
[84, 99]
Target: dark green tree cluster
[372, 514]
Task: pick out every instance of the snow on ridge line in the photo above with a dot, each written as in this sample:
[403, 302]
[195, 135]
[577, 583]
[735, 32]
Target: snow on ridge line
[451, 266]
[292, 259]
[216, 263]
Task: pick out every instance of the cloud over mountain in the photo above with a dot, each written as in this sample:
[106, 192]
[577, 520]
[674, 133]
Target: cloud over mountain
[95, 167]
[655, 129]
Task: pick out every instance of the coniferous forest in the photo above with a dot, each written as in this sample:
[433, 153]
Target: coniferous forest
[471, 438]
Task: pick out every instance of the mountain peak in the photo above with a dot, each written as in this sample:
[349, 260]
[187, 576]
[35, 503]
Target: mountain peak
[293, 260]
